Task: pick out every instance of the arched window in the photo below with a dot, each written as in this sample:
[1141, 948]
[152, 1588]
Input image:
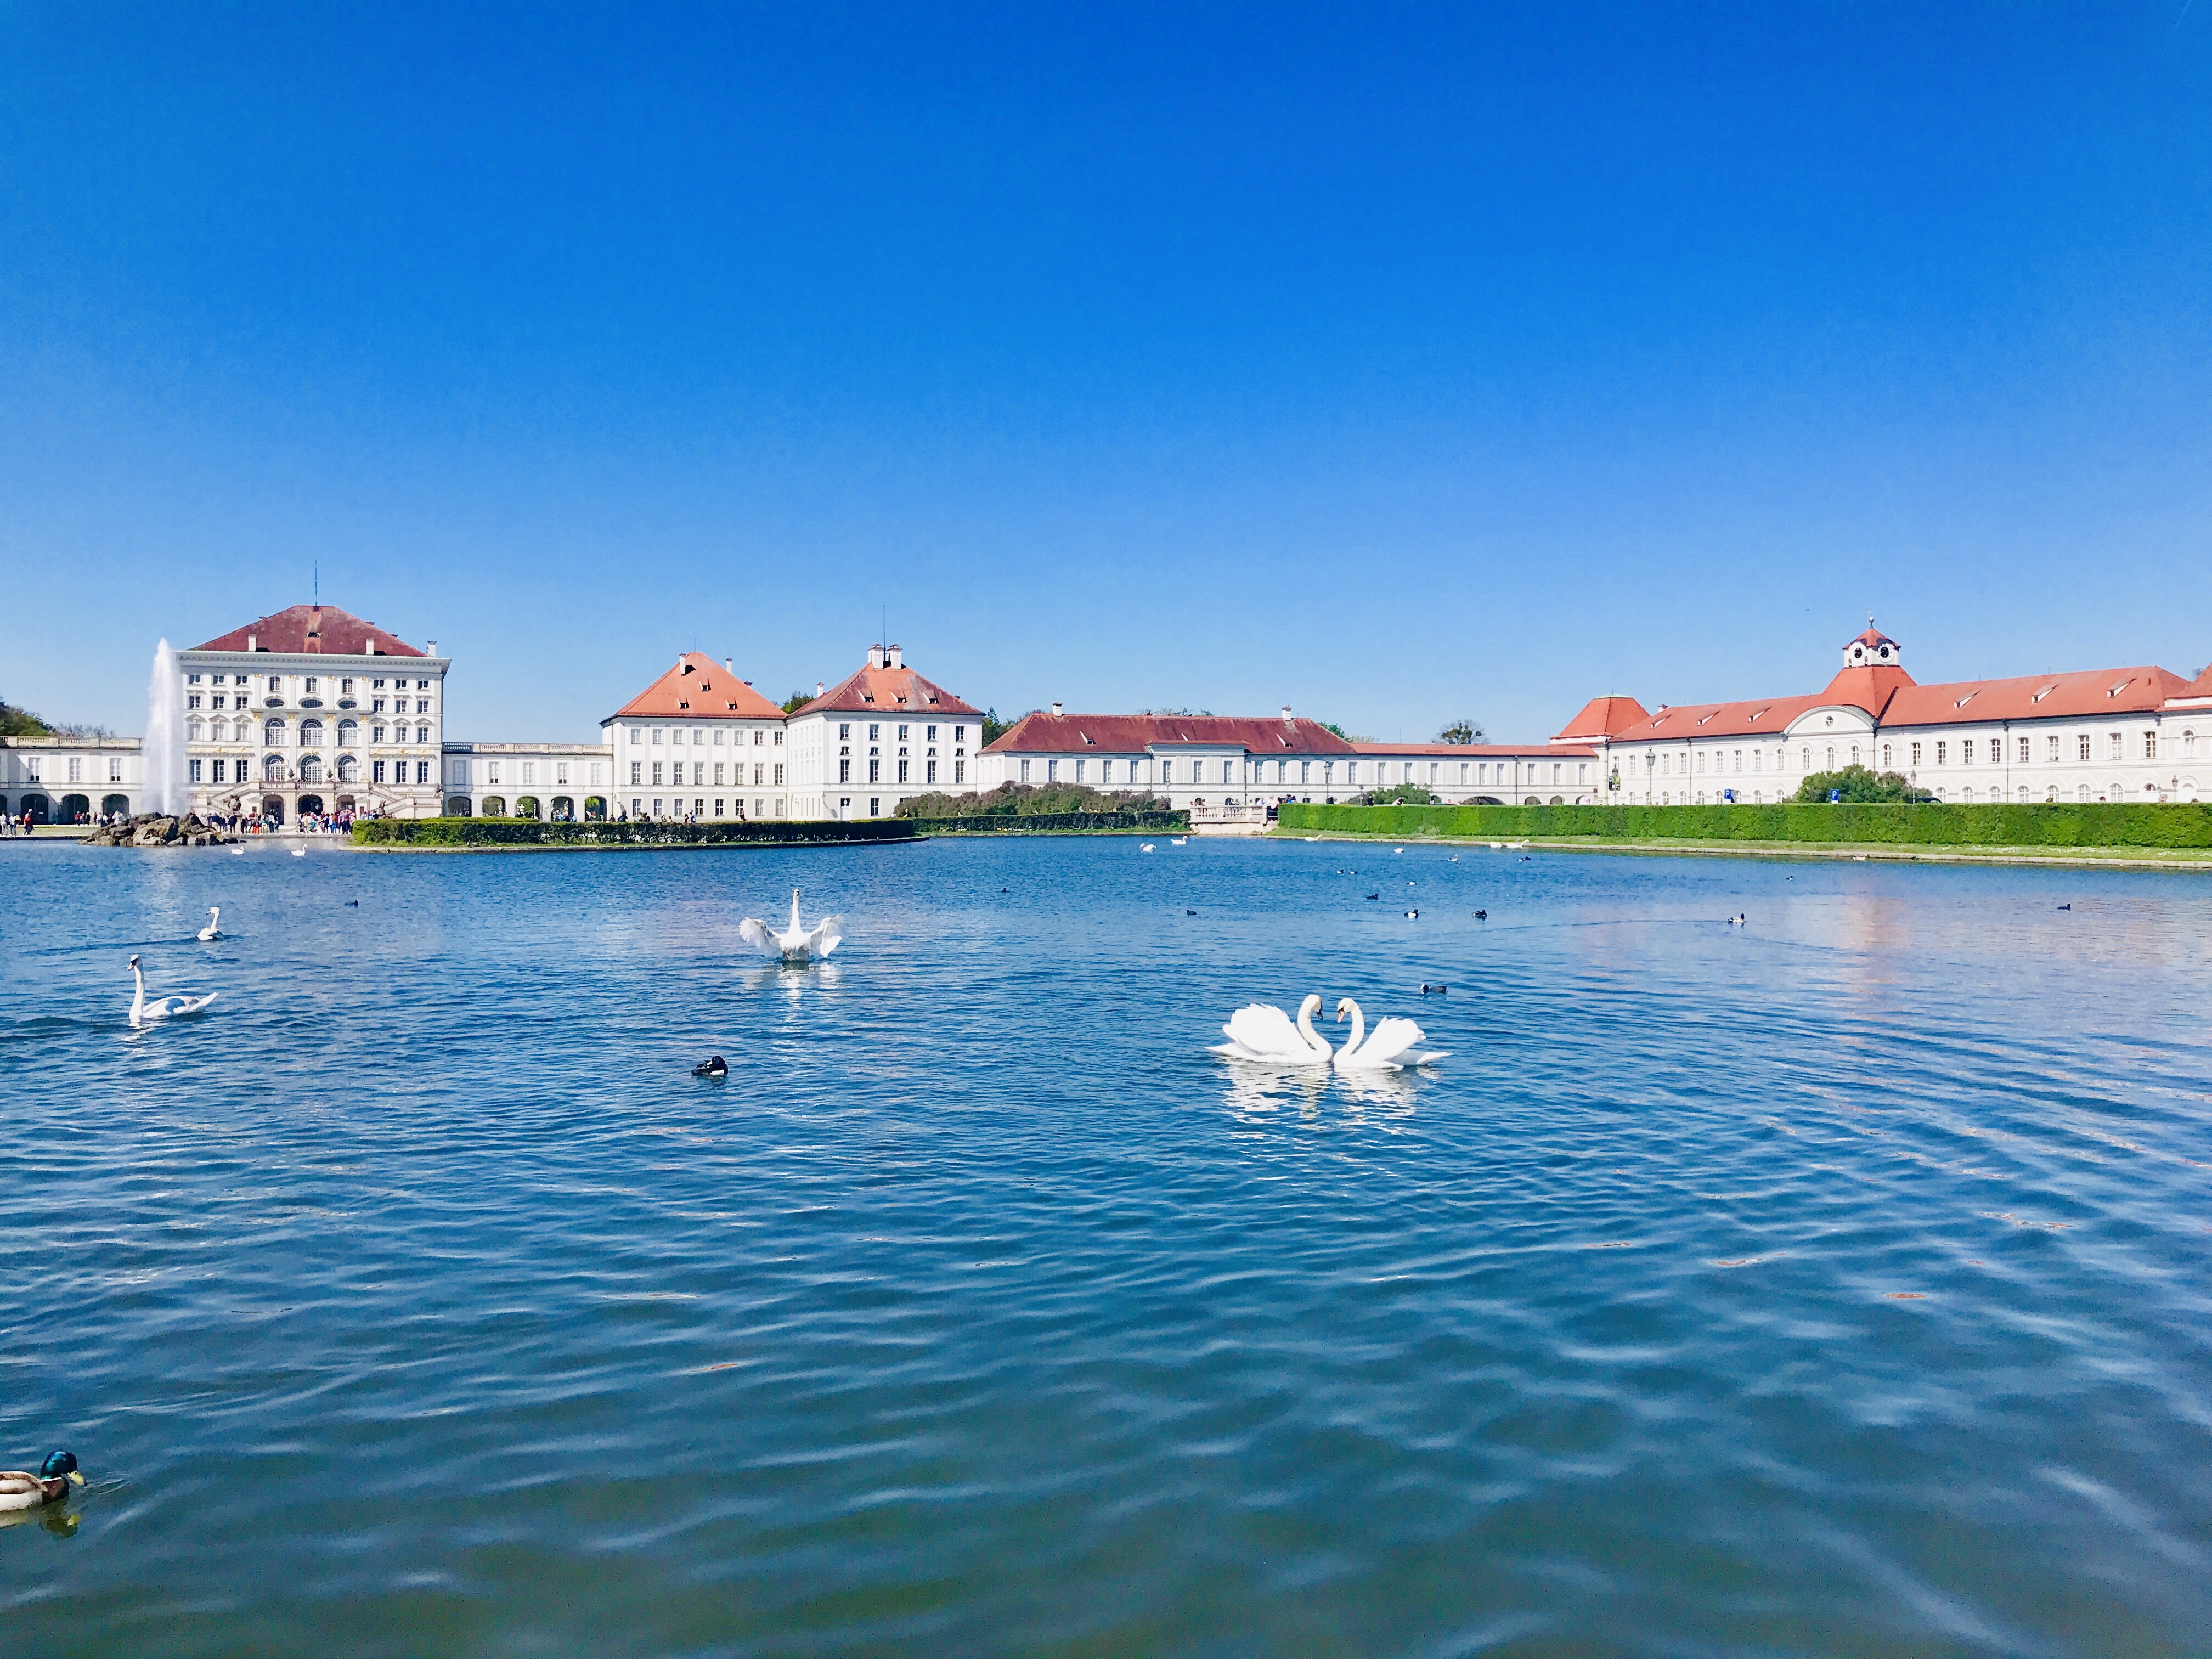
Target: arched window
[349, 734]
[311, 769]
[349, 769]
[272, 768]
[272, 733]
[2188, 745]
[311, 734]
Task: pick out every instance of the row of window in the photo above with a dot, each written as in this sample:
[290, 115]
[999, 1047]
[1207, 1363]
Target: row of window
[663, 807]
[1994, 796]
[1193, 772]
[876, 728]
[310, 770]
[273, 684]
[311, 733]
[1970, 751]
[458, 773]
[876, 771]
[674, 774]
[672, 736]
[33, 763]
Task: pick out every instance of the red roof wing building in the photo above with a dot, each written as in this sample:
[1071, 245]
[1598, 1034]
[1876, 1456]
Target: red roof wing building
[2095, 734]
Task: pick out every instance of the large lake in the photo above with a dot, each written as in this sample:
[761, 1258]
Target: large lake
[1834, 1285]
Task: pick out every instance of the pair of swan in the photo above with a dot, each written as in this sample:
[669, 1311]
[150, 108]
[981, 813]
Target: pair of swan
[143, 1012]
[1264, 1035]
[795, 944]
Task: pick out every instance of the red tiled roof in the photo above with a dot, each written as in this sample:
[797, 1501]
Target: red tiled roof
[881, 691]
[698, 689]
[2199, 687]
[1040, 733]
[1873, 638]
[1604, 717]
[1755, 718]
[2035, 697]
[314, 629]
[1475, 751]
[1869, 687]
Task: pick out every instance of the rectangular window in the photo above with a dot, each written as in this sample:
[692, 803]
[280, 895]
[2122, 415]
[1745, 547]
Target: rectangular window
[2050, 748]
[698, 773]
[76, 769]
[635, 767]
[656, 776]
[874, 732]
[1966, 751]
[636, 736]
[529, 772]
[718, 806]
[1942, 754]
[930, 771]
[875, 771]
[875, 807]
[717, 774]
[718, 743]
[658, 733]
[779, 776]
[192, 771]
[2023, 751]
[844, 734]
[902, 777]
[844, 771]
[2081, 749]
[960, 771]
[933, 734]
[1052, 771]
[115, 771]
[902, 736]
[1916, 754]
[376, 773]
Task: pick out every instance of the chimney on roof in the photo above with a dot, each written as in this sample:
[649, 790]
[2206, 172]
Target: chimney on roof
[1286, 714]
[817, 688]
[898, 659]
[253, 642]
[730, 663]
[430, 648]
[1056, 711]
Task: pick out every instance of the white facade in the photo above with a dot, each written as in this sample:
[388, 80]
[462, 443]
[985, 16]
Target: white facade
[880, 738]
[559, 781]
[66, 780]
[2122, 734]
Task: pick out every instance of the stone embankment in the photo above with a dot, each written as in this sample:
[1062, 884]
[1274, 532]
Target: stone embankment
[153, 829]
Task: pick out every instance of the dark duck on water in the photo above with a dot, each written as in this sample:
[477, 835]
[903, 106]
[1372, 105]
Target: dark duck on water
[713, 1066]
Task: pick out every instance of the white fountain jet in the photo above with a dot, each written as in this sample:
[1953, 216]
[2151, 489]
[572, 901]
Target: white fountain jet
[164, 750]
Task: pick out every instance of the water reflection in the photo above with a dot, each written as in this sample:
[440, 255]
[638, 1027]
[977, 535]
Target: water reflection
[1257, 1093]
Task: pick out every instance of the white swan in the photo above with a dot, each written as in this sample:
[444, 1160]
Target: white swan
[1263, 1033]
[1178, 841]
[796, 944]
[1146, 847]
[214, 929]
[299, 852]
[1386, 1050]
[143, 1012]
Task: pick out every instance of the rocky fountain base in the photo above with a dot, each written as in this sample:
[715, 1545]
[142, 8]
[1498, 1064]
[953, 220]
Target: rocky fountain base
[154, 829]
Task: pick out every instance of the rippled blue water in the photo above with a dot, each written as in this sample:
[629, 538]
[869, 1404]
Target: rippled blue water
[1834, 1284]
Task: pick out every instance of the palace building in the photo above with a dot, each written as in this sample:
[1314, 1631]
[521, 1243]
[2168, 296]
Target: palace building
[2110, 734]
[877, 736]
[313, 710]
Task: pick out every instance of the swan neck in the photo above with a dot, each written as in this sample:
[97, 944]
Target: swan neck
[1359, 1029]
[1314, 1039]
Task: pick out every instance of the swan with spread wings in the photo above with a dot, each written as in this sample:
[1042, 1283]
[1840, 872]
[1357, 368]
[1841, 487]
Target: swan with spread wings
[795, 944]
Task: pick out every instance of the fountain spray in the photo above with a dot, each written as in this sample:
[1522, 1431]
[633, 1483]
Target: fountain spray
[164, 748]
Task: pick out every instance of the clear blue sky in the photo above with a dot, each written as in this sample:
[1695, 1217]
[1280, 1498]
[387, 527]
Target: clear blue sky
[1393, 362]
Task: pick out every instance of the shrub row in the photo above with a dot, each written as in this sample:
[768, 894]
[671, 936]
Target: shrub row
[2062, 823]
[1034, 824]
[523, 832]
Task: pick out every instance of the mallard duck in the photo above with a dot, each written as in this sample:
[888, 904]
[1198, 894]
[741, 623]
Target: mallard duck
[19, 1491]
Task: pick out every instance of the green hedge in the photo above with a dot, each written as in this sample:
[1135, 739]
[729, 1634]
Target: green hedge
[1033, 823]
[521, 832]
[2101, 824]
